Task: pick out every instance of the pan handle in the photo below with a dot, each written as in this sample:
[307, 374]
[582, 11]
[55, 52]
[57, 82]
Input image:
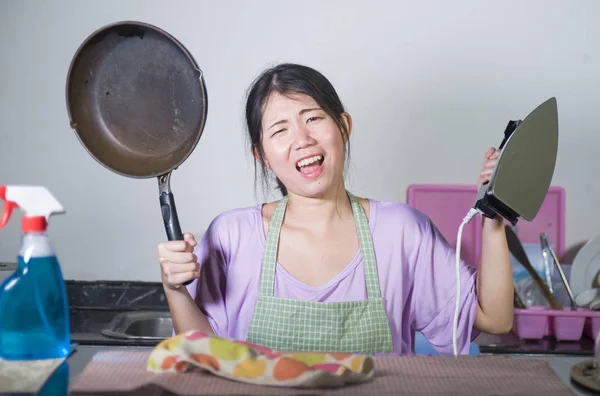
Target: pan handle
[169, 214]
[169, 211]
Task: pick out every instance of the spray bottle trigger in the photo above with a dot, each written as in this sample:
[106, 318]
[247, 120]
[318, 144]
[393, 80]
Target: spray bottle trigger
[7, 209]
[6, 212]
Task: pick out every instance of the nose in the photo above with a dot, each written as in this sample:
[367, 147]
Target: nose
[303, 138]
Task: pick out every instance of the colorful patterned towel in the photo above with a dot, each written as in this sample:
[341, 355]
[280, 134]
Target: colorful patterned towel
[250, 363]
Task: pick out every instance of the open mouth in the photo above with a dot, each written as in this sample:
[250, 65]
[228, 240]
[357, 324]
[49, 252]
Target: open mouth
[310, 165]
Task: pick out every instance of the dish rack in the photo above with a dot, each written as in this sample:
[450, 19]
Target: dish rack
[570, 324]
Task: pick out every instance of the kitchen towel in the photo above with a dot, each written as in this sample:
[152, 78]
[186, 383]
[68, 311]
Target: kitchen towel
[246, 362]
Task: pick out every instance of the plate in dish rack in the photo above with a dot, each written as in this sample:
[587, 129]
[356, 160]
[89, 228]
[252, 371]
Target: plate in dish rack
[586, 266]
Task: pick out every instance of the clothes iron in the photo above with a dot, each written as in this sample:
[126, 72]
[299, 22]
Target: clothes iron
[520, 180]
[524, 170]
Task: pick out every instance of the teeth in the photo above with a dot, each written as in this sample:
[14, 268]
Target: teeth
[308, 161]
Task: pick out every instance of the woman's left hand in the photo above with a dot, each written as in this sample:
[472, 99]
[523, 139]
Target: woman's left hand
[489, 162]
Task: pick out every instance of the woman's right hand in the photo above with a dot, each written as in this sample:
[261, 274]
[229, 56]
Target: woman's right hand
[177, 261]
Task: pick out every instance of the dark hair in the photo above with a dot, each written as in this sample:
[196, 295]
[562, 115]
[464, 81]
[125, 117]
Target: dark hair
[289, 79]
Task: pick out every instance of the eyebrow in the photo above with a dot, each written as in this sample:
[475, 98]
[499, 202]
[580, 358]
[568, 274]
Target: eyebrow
[301, 112]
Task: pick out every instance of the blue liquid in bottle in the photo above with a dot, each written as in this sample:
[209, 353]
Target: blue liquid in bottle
[34, 314]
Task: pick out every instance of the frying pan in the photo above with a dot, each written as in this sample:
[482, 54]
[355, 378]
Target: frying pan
[137, 102]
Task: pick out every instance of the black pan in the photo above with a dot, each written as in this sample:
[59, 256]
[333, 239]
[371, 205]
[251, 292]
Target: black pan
[137, 101]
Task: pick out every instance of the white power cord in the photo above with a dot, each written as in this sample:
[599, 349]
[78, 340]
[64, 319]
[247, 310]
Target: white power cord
[466, 220]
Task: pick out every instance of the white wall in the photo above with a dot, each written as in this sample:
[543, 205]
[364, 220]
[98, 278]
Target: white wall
[408, 71]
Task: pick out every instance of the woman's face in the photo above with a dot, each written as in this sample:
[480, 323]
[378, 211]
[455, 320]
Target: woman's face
[303, 145]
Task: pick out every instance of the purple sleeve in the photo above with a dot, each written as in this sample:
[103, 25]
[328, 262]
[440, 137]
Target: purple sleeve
[434, 299]
[208, 291]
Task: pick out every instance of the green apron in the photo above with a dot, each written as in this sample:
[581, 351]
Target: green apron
[297, 325]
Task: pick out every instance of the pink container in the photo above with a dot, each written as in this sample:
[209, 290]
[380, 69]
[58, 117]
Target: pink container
[447, 204]
[530, 323]
[538, 322]
[568, 324]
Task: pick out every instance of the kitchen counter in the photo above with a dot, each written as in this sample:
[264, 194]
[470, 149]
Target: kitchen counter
[93, 305]
[560, 364]
[511, 344]
[84, 354]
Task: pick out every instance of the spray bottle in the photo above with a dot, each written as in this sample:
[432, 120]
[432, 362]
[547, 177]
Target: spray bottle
[34, 314]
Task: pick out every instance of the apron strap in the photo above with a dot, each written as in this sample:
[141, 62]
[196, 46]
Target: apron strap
[364, 237]
[267, 278]
[366, 246]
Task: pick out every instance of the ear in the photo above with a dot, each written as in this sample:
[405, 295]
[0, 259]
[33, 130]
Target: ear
[257, 157]
[347, 120]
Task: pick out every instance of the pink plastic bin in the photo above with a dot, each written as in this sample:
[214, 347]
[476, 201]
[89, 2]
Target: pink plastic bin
[531, 323]
[566, 325]
[447, 204]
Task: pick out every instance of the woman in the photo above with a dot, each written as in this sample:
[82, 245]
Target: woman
[321, 269]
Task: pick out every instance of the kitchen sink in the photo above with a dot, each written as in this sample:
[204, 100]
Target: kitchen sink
[145, 325]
